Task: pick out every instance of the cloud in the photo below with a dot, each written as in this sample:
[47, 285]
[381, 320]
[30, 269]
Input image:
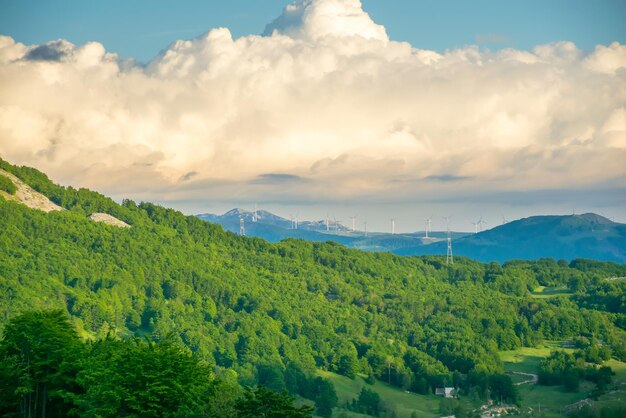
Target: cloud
[447, 177]
[324, 96]
[607, 59]
[273, 178]
[313, 20]
[52, 51]
[188, 176]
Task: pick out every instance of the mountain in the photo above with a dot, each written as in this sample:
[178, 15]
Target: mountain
[560, 237]
[274, 228]
[232, 217]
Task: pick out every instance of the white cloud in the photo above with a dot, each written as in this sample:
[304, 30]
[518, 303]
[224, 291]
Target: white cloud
[608, 59]
[315, 19]
[325, 96]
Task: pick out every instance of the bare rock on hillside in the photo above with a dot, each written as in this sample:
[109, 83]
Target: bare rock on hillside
[108, 219]
[28, 196]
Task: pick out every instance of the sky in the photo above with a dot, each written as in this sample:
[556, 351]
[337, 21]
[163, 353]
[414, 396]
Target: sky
[142, 28]
[375, 109]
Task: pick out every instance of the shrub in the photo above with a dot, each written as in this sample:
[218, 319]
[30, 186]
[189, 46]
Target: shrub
[7, 185]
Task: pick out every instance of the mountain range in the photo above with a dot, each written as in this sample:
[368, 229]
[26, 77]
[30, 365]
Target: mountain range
[561, 237]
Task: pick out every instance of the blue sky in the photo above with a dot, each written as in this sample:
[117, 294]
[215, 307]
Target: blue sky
[141, 28]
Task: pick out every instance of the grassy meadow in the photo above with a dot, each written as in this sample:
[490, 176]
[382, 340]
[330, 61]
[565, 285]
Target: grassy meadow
[552, 401]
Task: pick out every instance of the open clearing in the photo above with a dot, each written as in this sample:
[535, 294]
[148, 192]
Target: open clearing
[552, 400]
[543, 292]
[404, 403]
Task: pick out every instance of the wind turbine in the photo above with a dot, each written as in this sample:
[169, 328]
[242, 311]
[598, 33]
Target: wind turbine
[393, 226]
[476, 226]
[428, 225]
[365, 227]
[353, 218]
[482, 222]
[327, 223]
[255, 215]
[504, 220]
[447, 219]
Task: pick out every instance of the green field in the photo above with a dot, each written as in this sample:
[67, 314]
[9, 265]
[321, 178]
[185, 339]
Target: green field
[405, 403]
[552, 400]
[617, 394]
[543, 292]
[527, 359]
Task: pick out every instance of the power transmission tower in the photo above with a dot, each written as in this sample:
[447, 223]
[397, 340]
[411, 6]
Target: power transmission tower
[449, 256]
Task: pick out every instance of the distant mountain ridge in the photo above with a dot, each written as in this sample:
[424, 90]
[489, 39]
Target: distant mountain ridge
[560, 237]
[268, 218]
[546, 236]
[275, 228]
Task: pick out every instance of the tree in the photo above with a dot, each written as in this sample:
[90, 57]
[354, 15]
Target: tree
[449, 406]
[325, 397]
[39, 356]
[571, 380]
[271, 376]
[144, 378]
[502, 388]
[348, 365]
[7, 185]
[261, 402]
[368, 402]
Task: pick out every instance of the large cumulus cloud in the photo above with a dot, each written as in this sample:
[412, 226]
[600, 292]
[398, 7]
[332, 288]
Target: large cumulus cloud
[323, 99]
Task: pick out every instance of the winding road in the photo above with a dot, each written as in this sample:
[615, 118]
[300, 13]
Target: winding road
[532, 381]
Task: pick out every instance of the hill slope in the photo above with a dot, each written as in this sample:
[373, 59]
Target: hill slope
[560, 237]
[273, 311]
[26, 195]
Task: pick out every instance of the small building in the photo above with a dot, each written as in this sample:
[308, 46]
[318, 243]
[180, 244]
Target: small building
[448, 392]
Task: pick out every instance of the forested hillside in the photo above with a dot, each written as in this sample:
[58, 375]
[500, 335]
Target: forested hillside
[274, 313]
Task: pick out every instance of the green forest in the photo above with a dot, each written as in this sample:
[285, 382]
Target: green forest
[255, 320]
[47, 370]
